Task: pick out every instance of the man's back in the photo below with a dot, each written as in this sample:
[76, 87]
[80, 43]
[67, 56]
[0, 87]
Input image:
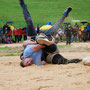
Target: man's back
[36, 55]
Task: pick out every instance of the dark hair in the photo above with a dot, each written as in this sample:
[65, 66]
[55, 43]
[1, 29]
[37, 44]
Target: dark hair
[21, 55]
[21, 64]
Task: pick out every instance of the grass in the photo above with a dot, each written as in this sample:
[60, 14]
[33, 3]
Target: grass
[11, 54]
[63, 46]
[4, 48]
[9, 51]
[42, 11]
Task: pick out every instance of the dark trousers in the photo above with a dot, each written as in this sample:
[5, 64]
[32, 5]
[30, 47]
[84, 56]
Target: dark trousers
[68, 39]
[30, 27]
[25, 37]
[88, 35]
[16, 38]
[10, 36]
[20, 37]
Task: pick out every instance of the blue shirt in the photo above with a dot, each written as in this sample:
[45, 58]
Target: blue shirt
[36, 55]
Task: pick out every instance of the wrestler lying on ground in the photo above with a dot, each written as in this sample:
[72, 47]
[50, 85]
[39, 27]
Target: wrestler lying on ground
[42, 54]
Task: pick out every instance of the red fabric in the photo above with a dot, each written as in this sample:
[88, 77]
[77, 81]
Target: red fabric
[75, 28]
[6, 25]
[24, 32]
[15, 32]
[79, 32]
[34, 27]
[20, 31]
[8, 39]
[10, 32]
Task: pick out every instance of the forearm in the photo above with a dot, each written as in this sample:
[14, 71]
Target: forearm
[37, 47]
[53, 40]
[28, 42]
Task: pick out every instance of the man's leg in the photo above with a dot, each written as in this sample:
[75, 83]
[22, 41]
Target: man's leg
[56, 59]
[72, 38]
[15, 39]
[30, 27]
[66, 39]
[58, 23]
[53, 29]
[89, 35]
[69, 39]
[59, 59]
[75, 38]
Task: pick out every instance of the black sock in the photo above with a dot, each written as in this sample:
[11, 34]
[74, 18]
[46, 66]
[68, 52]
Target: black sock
[74, 61]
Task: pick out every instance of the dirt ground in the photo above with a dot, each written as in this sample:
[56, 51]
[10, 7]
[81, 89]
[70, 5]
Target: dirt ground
[47, 77]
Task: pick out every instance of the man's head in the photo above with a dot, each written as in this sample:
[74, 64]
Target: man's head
[26, 62]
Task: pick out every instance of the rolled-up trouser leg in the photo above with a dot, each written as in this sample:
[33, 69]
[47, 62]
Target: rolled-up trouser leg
[53, 55]
[30, 27]
[56, 59]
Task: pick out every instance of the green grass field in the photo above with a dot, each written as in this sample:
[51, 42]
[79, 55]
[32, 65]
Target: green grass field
[43, 11]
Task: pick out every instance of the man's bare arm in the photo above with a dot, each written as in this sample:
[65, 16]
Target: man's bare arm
[37, 47]
[28, 42]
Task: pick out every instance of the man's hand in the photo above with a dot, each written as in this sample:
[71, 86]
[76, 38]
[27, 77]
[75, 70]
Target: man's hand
[44, 63]
[53, 40]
